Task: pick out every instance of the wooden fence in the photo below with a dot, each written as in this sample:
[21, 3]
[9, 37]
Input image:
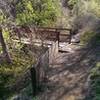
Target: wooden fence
[43, 35]
[39, 71]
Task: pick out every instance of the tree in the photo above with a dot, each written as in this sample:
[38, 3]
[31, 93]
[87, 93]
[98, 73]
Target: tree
[36, 12]
[3, 44]
[4, 48]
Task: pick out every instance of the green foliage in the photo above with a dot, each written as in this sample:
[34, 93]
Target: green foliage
[2, 17]
[94, 7]
[36, 12]
[87, 36]
[9, 73]
[0, 49]
[72, 2]
[96, 71]
[95, 77]
[88, 6]
[6, 33]
[25, 93]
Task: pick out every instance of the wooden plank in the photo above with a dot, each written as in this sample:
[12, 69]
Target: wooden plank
[47, 31]
[40, 27]
[53, 28]
[34, 80]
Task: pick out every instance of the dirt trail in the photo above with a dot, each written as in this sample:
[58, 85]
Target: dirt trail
[69, 75]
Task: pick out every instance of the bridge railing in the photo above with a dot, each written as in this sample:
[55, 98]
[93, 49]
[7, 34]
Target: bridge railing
[43, 35]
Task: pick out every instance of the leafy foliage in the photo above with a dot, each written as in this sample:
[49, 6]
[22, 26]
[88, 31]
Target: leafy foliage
[72, 2]
[2, 17]
[10, 72]
[94, 7]
[89, 6]
[95, 77]
[36, 12]
[87, 36]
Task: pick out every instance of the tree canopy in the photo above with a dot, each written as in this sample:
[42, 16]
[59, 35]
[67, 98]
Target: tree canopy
[36, 12]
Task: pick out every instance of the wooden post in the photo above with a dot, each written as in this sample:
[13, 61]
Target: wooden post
[58, 37]
[34, 80]
[70, 36]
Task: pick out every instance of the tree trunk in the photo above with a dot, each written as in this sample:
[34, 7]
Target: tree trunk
[4, 48]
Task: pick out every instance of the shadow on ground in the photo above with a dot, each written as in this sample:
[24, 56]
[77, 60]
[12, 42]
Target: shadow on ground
[69, 75]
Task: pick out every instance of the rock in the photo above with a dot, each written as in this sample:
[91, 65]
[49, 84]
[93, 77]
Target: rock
[76, 39]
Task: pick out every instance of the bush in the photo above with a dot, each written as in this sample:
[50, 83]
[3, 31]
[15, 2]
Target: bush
[10, 72]
[87, 36]
[41, 12]
[95, 82]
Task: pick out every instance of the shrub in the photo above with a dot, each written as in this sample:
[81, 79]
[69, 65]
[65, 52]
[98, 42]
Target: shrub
[95, 82]
[86, 37]
[36, 12]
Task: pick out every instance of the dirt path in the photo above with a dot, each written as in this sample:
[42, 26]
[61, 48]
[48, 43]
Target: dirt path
[68, 75]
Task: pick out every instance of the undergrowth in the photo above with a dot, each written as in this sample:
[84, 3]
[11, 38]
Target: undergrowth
[95, 82]
[22, 59]
[86, 37]
[95, 75]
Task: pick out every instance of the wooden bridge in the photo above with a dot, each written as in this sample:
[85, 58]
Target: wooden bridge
[44, 36]
[47, 37]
